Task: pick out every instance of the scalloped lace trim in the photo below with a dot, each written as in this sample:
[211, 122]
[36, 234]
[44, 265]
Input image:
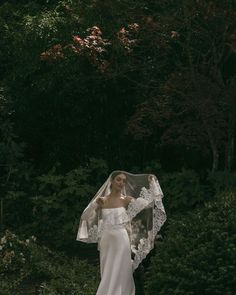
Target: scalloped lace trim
[147, 244]
[135, 206]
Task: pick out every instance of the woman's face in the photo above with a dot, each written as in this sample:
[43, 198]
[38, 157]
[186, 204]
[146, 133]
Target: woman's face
[119, 182]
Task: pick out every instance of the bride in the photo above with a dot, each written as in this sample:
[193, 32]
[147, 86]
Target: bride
[123, 218]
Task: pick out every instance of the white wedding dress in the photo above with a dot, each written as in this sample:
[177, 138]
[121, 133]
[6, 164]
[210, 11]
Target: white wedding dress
[115, 255]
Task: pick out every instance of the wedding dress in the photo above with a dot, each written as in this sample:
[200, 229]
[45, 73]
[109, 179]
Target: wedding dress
[115, 255]
[121, 231]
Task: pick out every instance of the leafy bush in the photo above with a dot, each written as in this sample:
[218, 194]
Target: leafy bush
[221, 180]
[182, 190]
[198, 253]
[23, 261]
[73, 277]
[14, 252]
[59, 201]
[51, 204]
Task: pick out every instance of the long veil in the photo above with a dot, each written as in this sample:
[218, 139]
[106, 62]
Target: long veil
[143, 218]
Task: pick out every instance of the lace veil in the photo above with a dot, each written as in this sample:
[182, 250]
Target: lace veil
[142, 218]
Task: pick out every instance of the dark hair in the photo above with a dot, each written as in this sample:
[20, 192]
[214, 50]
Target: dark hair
[115, 173]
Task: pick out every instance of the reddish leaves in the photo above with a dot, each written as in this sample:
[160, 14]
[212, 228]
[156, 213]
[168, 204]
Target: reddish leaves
[94, 46]
[126, 36]
[53, 53]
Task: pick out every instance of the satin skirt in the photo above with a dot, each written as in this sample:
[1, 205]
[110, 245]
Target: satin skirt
[115, 263]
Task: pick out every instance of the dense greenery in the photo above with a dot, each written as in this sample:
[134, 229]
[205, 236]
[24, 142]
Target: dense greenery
[198, 253]
[54, 202]
[30, 268]
[87, 87]
[153, 80]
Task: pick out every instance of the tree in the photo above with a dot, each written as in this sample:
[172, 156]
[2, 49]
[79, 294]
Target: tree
[194, 105]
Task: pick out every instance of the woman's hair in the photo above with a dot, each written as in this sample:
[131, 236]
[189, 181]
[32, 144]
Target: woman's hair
[115, 173]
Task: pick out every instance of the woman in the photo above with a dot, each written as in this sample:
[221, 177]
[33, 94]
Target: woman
[123, 218]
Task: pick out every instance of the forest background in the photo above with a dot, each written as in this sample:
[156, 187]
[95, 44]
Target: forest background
[87, 87]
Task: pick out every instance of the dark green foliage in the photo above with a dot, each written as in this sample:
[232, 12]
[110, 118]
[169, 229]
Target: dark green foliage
[67, 111]
[182, 190]
[198, 252]
[55, 203]
[30, 268]
[60, 200]
[15, 171]
[221, 180]
[165, 100]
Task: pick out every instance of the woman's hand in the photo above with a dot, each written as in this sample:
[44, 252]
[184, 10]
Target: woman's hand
[100, 201]
[151, 177]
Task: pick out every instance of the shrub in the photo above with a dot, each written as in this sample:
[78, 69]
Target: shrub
[221, 180]
[23, 261]
[198, 253]
[182, 190]
[52, 203]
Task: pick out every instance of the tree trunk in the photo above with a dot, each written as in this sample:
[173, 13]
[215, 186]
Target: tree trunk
[229, 149]
[215, 152]
[215, 162]
[1, 215]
